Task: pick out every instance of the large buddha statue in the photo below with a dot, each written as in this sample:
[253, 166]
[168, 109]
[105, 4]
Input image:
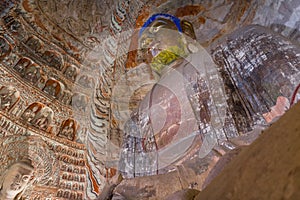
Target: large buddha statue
[16, 179]
[195, 104]
[183, 111]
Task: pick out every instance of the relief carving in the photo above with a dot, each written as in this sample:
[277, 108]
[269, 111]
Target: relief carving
[9, 96]
[68, 129]
[38, 115]
[66, 98]
[41, 82]
[5, 48]
[53, 59]
[33, 73]
[14, 25]
[43, 118]
[53, 88]
[79, 102]
[71, 72]
[34, 44]
[21, 65]
[31, 111]
[26, 163]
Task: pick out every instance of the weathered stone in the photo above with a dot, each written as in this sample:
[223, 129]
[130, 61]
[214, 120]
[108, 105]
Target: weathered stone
[186, 194]
[64, 58]
[220, 165]
[149, 187]
[267, 169]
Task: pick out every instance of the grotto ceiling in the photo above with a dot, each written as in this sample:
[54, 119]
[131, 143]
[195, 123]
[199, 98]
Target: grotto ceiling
[72, 79]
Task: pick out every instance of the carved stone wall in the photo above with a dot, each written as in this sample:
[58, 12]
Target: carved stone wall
[67, 67]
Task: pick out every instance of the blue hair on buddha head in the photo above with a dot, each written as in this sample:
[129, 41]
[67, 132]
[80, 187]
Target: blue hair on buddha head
[161, 16]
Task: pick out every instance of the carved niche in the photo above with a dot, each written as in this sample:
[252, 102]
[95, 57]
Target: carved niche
[68, 129]
[54, 88]
[71, 72]
[38, 115]
[21, 65]
[34, 44]
[53, 59]
[33, 73]
[5, 47]
[9, 96]
[79, 102]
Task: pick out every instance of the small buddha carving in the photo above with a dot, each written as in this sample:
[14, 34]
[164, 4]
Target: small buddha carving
[9, 96]
[43, 118]
[31, 111]
[53, 59]
[5, 47]
[21, 66]
[53, 88]
[34, 43]
[71, 72]
[32, 73]
[68, 130]
[213, 101]
[79, 102]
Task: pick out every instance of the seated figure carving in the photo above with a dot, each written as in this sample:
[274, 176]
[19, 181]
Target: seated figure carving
[73, 195]
[66, 194]
[53, 88]
[68, 129]
[14, 26]
[53, 59]
[5, 47]
[34, 44]
[21, 66]
[32, 73]
[59, 193]
[71, 72]
[9, 96]
[16, 179]
[41, 81]
[66, 97]
[31, 111]
[43, 118]
[195, 104]
[167, 117]
[79, 102]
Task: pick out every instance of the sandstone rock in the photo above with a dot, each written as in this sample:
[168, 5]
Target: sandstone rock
[220, 165]
[149, 187]
[267, 169]
[186, 194]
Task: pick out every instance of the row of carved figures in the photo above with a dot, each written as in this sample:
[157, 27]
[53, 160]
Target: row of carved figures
[69, 160]
[72, 177]
[70, 195]
[36, 114]
[51, 57]
[33, 74]
[71, 169]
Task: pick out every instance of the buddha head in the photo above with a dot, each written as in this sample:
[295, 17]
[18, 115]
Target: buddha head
[16, 179]
[163, 39]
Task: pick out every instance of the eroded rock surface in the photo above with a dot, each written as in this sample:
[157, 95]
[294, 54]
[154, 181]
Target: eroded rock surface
[267, 169]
